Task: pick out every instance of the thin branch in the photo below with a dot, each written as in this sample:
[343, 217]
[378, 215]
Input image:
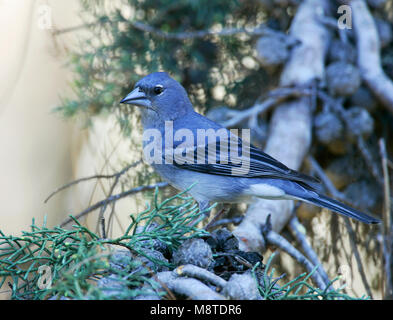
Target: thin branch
[107, 157]
[352, 235]
[57, 32]
[387, 224]
[331, 23]
[369, 58]
[353, 241]
[279, 241]
[235, 220]
[296, 227]
[192, 271]
[387, 206]
[189, 287]
[257, 31]
[372, 165]
[103, 208]
[115, 198]
[324, 178]
[112, 188]
[259, 108]
[97, 176]
[237, 257]
[360, 143]
[274, 98]
[225, 209]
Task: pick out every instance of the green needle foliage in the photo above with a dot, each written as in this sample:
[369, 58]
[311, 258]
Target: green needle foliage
[57, 263]
[114, 53]
[47, 262]
[298, 288]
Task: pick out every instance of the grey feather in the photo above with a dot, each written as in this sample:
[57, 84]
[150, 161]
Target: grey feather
[163, 99]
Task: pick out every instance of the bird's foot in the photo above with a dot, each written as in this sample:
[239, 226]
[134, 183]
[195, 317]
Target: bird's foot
[225, 209]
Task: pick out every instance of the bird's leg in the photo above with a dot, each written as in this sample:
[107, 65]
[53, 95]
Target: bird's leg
[203, 205]
[225, 209]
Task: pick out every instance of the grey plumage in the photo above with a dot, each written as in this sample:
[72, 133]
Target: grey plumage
[164, 101]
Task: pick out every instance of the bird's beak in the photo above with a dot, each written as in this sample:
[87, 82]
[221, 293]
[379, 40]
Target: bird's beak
[137, 98]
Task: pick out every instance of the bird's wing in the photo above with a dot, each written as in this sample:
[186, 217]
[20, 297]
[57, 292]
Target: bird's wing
[241, 160]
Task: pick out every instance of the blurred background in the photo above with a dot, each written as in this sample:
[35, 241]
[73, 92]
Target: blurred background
[36, 144]
[66, 65]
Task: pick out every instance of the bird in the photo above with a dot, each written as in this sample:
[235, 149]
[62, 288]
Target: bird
[174, 144]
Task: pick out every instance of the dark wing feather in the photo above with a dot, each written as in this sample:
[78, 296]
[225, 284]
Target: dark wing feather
[261, 165]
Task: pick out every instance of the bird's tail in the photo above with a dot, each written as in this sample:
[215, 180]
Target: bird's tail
[326, 202]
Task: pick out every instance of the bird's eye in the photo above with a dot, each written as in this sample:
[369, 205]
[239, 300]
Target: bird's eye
[158, 89]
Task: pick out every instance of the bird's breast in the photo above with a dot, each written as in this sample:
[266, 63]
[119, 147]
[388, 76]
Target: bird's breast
[205, 187]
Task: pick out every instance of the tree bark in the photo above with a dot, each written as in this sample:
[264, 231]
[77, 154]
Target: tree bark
[290, 128]
[368, 50]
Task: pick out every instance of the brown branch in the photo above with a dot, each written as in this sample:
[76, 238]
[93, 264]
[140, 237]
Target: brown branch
[369, 59]
[387, 224]
[387, 218]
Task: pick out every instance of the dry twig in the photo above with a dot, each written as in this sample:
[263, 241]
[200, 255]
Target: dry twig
[274, 98]
[115, 198]
[189, 287]
[369, 59]
[387, 224]
[275, 239]
[116, 175]
[193, 271]
[296, 227]
[257, 31]
[352, 235]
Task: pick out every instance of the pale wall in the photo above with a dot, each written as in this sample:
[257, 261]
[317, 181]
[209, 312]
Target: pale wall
[36, 154]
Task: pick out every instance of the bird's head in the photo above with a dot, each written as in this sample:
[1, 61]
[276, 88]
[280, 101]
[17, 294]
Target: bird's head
[161, 94]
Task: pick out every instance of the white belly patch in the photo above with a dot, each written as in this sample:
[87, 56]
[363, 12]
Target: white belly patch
[266, 191]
